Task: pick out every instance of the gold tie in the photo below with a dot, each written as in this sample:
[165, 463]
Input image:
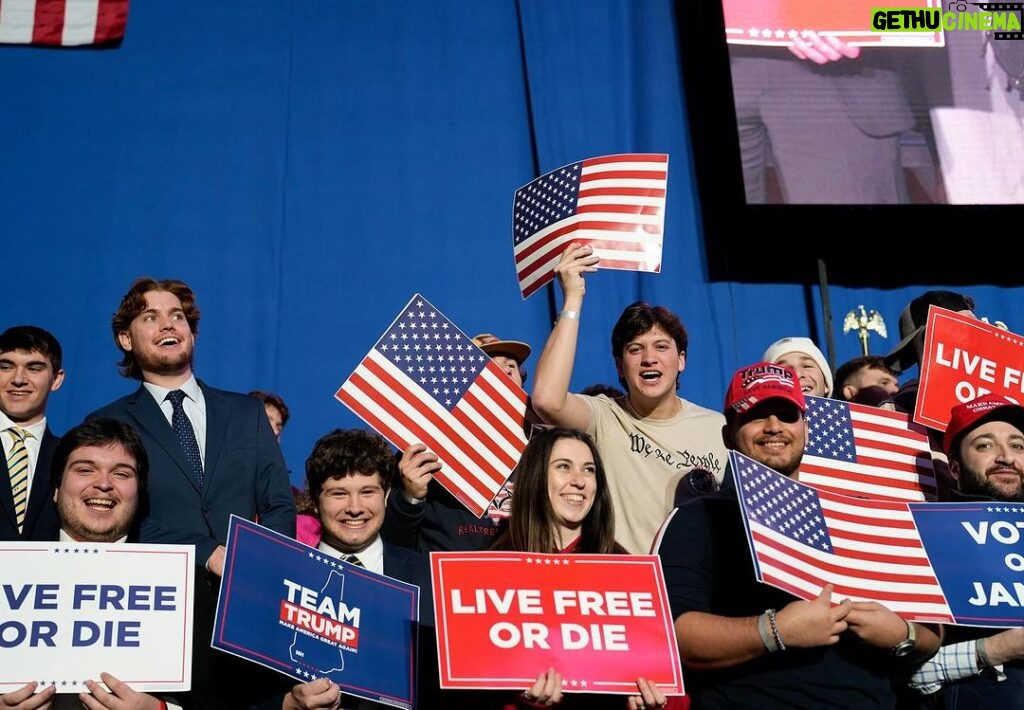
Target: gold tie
[17, 468]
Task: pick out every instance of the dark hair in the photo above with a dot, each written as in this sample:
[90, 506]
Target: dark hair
[607, 390]
[346, 452]
[855, 365]
[101, 432]
[134, 303]
[33, 339]
[273, 400]
[637, 319]
[531, 525]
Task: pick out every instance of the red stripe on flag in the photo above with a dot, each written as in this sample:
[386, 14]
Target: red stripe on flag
[49, 22]
[586, 191]
[620, 209]
[626, 158]
[111, 20]
[625, 175]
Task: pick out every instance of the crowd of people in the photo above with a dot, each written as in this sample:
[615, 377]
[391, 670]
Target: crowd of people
[636, 470]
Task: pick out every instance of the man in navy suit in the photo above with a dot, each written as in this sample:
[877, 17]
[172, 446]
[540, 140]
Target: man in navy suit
[240, 467]
[30, 369]
[349, 476]
[212, 454]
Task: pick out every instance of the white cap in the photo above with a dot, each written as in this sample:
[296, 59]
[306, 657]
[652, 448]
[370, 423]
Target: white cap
[804, 346]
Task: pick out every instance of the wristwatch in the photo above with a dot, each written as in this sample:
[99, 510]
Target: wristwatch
[906, 646]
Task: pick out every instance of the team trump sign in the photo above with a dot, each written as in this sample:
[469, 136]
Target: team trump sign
[601, 621]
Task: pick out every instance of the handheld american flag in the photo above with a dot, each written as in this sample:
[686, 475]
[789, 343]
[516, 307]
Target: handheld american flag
[802, 539]
[425, 381]
[863, 451]
[62, 23]
[615, 203]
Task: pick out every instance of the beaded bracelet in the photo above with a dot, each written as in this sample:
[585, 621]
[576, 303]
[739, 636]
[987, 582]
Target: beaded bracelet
[775, 629]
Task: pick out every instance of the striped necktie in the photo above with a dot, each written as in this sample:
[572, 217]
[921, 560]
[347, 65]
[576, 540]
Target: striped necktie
[17, 468]
[353, 560]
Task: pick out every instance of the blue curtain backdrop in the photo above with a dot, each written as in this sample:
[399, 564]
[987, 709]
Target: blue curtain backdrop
[308, 165]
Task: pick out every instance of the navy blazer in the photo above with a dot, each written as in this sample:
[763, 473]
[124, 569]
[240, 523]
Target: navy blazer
[244, 471]
[40, 513]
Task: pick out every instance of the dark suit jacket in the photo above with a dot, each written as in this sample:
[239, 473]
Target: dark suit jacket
[245, 473]
[40, 514]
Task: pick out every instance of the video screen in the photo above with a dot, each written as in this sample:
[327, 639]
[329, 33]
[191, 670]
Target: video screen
[838, 104]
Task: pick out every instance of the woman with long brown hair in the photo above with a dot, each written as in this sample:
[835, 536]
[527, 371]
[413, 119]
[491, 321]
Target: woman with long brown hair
[561, 504]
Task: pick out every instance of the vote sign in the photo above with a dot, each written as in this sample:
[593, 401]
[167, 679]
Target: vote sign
[601, 621]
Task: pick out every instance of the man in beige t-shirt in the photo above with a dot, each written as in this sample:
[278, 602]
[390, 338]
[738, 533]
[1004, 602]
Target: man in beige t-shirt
[656, 447]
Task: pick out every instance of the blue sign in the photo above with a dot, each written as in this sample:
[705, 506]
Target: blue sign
[304, 613]
[977, 552]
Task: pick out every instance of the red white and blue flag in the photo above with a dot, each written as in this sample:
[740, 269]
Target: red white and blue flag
[426, 382]
[802, 539]
[62, 23]
[863, 451]
[615, 203]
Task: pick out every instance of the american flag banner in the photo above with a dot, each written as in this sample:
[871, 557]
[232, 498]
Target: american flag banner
[62, 23]
[425, 381]
[802, 539]
[862, 451]
[615, 203]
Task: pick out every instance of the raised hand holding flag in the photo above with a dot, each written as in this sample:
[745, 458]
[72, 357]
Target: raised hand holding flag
[615, 203]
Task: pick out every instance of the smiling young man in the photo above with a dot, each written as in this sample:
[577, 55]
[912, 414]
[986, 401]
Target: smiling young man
[348, 475]
[212, 454]
[747, 644]
[652, 440]
[30, 370]
[98, 477]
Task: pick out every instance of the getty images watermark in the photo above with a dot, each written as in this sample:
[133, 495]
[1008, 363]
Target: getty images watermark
[1003, 19]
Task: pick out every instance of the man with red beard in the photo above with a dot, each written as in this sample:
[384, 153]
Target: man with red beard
[980, 667]
[212, 454]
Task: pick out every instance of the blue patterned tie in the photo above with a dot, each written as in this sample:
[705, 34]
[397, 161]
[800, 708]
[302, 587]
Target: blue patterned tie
[186, 435]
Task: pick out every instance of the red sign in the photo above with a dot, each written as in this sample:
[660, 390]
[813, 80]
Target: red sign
[965, 358]
[776, 22]
[601, 621]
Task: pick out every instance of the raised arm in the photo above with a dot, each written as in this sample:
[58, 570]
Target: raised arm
[551, 397]
[407, 502]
